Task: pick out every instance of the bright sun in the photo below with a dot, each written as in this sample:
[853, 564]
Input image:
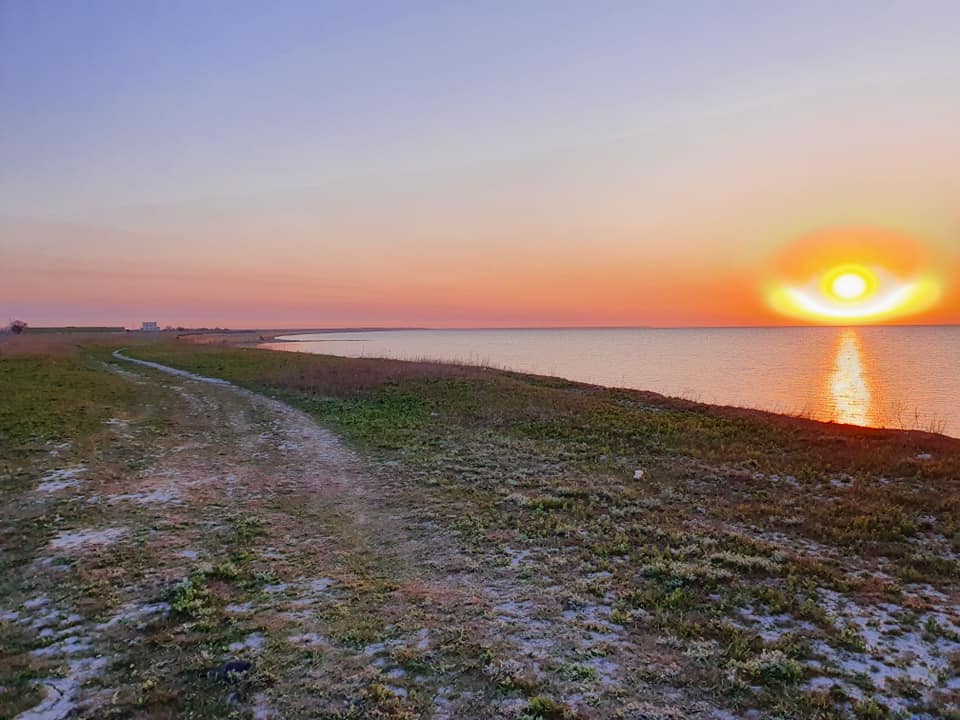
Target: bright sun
[849, 286]
[853, 275]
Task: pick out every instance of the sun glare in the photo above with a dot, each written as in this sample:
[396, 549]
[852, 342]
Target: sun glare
[852, 276]
[849, 286]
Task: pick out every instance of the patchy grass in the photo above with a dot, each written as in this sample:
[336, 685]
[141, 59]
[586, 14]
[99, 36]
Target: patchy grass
[52, 412]
[762, 563]
[735, 509]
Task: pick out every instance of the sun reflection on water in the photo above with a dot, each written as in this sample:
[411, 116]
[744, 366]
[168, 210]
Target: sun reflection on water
[849, 387]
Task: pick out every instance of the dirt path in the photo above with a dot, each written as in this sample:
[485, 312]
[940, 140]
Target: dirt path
[243, 562]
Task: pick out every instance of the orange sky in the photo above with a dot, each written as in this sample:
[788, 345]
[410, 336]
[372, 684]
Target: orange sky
[552, 283]
[442, 167]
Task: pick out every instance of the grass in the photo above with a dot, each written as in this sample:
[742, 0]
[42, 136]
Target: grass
[49, 400]
[473, 425]
[736, 511]
[51, 403]
[565, 454]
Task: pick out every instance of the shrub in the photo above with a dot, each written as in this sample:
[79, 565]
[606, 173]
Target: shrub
[771, 666]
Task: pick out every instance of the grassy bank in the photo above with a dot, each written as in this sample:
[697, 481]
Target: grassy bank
[774, 565]
[734, 513]
[489, 429]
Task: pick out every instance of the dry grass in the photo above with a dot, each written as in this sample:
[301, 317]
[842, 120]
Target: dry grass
[67, 343]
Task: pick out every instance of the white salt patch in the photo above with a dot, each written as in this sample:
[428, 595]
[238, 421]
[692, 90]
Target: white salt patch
[68, 473]
[44, 619]
[261, 708]
[771, 628]
[421, 639]
[598, 576]
[321, 584]
[62, 693]
[72, 540]
[593, 615]
[722, 715]
[898, 648]
[514, 609]
[535, 647]
[382, 647]
[189, 554]
[309, 640]
[924, 592]
[72, 645]
[252, 642]
[133, 613]
[605, 668]
[238, 608]
[161, 495]
[517, 557]
[821, 683]
[57, 485]
[61, 479]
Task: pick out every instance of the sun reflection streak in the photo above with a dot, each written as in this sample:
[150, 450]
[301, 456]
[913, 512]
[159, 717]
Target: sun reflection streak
[848, 383]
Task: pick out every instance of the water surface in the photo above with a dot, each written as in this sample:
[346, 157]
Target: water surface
[902, 377]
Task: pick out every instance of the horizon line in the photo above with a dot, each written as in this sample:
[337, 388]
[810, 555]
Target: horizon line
[385, 328]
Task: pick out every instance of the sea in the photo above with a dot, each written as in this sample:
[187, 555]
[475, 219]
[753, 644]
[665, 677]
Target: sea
[896, 377]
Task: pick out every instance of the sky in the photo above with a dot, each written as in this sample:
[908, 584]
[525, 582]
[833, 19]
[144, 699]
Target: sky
[324, 164]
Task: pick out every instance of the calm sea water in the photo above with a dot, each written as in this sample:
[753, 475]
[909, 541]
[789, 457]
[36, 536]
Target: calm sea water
[905, 377]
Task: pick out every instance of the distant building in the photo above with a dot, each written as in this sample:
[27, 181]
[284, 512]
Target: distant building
[149, 326]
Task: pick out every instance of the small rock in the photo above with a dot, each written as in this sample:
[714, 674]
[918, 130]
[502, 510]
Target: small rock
[638, 474]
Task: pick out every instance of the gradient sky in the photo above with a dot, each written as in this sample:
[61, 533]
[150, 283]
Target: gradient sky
[459, 164]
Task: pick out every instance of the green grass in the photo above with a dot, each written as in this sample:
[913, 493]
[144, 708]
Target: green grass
[553, 461]
[48, 403]
[496, 429]
[54, 399]
[550, 463]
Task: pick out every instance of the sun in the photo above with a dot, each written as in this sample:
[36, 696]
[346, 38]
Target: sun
[853, 275]
[849, 286]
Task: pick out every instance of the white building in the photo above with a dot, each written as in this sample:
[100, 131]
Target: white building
[149, 326]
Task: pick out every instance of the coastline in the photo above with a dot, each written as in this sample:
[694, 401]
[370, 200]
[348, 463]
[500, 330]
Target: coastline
[522, 539]
[928, 427]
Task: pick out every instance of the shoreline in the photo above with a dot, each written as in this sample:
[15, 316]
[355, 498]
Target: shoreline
[508, 543]
[678, 401]
[67, 342]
